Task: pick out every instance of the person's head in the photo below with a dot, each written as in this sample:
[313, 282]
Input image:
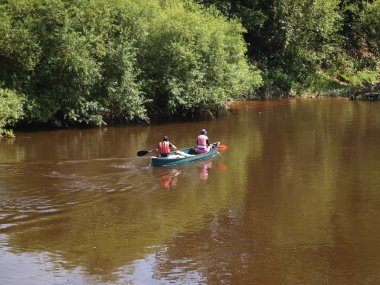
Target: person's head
[203, 132]
[165, 138]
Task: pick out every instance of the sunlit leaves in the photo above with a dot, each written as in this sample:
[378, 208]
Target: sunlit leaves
[11, 110]
[200, 64]
[93, 61]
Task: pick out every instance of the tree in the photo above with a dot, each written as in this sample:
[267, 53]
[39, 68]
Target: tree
[200, 63]
[91, 62]
[288, 39]
[11, 110]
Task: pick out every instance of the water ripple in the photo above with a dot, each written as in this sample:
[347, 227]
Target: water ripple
[38, 191]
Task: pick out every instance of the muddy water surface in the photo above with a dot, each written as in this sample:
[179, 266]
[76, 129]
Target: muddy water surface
[295, 199]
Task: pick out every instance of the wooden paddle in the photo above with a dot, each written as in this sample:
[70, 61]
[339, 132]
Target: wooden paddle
[144, 152]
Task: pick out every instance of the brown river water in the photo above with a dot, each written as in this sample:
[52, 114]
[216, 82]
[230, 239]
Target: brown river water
[295, 199]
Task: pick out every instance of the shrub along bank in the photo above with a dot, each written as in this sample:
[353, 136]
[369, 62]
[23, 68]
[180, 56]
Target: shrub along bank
[327, 47]
[90, 62]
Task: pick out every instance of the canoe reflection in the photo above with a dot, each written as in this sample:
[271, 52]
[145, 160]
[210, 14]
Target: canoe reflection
[203, 170]
[169, 177]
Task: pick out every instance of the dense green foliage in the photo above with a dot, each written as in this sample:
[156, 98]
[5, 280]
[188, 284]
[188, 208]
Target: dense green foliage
[369, 26]
[198, 66]
[92, 61]
[10, 110]
[310, 44]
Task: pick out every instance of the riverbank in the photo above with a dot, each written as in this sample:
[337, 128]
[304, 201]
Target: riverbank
[368, 92]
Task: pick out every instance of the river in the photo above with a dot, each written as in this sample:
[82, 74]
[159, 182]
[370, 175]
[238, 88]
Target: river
[295, 199]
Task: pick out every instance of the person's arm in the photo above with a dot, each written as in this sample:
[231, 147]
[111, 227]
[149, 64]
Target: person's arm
[207, 142]
[172, 146]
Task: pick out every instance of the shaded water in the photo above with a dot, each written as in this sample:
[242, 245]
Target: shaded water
[294, 200]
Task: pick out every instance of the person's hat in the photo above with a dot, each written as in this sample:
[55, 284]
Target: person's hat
[165, 138]
[203, 131]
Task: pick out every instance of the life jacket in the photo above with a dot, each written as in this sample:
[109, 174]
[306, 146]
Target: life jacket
[202, 141]
[164, 147]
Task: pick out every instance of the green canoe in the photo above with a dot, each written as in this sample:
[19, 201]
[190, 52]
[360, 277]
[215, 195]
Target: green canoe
[184, 156]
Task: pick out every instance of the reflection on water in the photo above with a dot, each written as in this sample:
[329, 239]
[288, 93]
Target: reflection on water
[168, 177]
[203, 170]
[295, 194]
[48, 268]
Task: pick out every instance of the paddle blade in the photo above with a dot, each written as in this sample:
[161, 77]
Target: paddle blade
[222, 147]
[142, 152]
